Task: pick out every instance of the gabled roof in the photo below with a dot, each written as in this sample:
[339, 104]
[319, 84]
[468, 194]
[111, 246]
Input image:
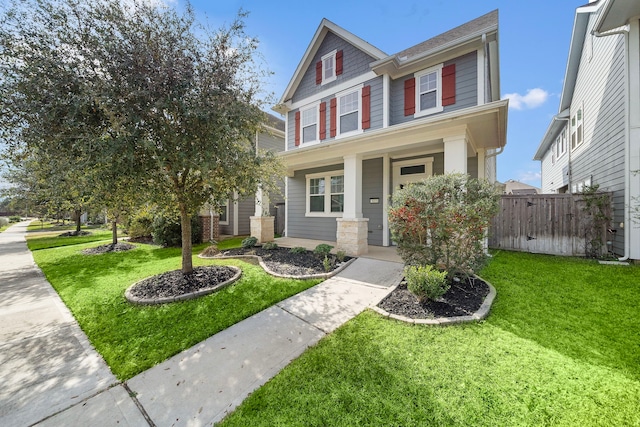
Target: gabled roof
[321, 32]
[467, 36]
[578, 36]
[274, 122]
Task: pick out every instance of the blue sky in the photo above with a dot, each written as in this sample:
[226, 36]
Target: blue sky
[534, 44]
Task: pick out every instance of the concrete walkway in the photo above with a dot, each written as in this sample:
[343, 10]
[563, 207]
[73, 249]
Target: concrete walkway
[197, 387]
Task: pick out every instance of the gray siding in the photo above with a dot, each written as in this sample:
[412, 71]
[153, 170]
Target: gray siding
[270, 142]
[372, 188]
[377, 107]
[466, 89]
[355, 63]
[300, 226]
[246, 208]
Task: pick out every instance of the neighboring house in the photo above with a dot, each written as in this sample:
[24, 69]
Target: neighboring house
[233, 217]
[595, 137]
[361, 123]
[514, 187]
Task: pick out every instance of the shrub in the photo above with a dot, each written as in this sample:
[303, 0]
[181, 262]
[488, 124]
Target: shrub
[322, 250]
[340, 256]
[298, 250]
[442, 221]
[269, 246]
[327, 263]
[140, 224]
[425, 282]
[249, 242]
[15, 218]
[3, 222]
[211, 251]
[168, 232]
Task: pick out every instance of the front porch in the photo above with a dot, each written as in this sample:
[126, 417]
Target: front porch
[380, 253]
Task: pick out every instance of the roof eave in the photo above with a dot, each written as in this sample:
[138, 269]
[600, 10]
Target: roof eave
[616, 14]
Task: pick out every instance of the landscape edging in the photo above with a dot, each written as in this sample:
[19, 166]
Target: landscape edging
[480, 314]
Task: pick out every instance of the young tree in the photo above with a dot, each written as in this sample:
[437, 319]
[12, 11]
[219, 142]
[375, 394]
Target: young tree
[141, 90]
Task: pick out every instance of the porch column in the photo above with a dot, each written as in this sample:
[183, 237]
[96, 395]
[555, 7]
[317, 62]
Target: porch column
[352, 231]
[262, 223]
[455, 154]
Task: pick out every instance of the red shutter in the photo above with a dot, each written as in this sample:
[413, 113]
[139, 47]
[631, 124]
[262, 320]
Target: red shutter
[366, 107]
[409, 96]
[318, 72]
[449, 85]
[333, 111]
[297, 128]
[323, 120]
[338, 63]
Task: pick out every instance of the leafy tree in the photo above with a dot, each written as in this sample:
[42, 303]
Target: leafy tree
[442, 222]
[142, 91]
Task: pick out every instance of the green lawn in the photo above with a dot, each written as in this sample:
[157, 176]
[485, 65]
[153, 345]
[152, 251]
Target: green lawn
[561, 347]
[134, 338]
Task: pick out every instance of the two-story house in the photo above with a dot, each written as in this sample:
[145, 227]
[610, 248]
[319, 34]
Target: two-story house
[361, 123]
[595, 137]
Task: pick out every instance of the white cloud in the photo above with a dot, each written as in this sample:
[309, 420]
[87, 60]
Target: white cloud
[533, 99]
[530, 177]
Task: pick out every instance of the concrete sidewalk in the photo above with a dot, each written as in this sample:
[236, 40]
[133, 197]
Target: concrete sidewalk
[202, 384]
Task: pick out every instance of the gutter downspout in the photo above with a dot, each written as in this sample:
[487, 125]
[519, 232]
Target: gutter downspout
[627, 146]
[568, 141]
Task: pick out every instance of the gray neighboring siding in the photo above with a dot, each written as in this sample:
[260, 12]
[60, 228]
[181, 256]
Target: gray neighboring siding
[466, 89]
[270, 142]
[291, 130]
[372, 188]
[355, 63]
[298, 224]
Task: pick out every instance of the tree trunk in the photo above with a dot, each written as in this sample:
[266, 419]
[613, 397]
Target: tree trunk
[78, 218]
[114, 231]
[185, 225]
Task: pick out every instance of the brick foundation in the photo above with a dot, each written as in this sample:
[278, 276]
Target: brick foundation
[207, 225]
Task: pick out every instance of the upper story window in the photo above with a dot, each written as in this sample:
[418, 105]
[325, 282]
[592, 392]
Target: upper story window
[429, 91]
[309, 125]
[329, 67]
[349, 112]
[577, 129]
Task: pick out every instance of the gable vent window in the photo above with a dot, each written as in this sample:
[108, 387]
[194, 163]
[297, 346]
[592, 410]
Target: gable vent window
[329, 67]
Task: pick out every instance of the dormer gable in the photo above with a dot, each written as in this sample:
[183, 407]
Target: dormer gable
[330, 55]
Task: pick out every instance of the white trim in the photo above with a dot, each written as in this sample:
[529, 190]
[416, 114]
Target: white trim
[327, 194]
[481, 83]
[286, 206]
[331, 55]
[329, 93]
[438, 108]
[355, 89]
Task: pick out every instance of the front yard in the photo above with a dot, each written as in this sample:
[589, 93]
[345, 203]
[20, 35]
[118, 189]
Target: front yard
[560, 347]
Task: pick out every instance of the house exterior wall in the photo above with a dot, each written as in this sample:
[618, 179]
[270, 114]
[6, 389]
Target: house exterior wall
[372, 189]
[356, 63]
[599, 91]
[555, 175]
[270, 142]
[466, 89]
[298, 225]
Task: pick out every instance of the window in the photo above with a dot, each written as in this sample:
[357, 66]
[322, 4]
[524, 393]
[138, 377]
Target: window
[223, 219]
[309, 128]
[349, 112]
[325, 194]
[329, 67]
[576, 129]
[563, 142]
[428, 91]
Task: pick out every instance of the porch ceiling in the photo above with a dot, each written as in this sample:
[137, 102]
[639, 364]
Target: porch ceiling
[485, 127]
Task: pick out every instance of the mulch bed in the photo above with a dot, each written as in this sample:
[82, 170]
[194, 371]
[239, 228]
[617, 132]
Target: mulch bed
[75, 233]
[175, 283]
[282, 261]
[103, 249]
[463, 298]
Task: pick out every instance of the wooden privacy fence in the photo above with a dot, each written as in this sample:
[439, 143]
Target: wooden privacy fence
[547, 223]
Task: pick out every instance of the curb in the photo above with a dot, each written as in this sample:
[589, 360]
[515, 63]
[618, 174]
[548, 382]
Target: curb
[481, 314]
[183, 297]
[284, 276]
